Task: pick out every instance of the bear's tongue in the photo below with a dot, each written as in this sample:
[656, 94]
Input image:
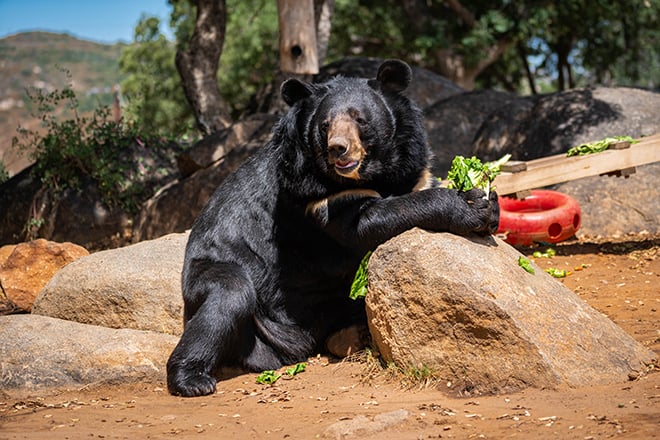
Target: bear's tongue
[345, 164]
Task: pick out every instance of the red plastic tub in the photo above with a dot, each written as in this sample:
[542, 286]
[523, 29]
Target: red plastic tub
[543, 217]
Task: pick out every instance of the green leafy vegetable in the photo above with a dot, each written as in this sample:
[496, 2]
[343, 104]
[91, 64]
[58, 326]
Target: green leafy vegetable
[298, 368]
[268, 377]
[597, 146]
[525, 264]
[468, 173]
[547, 254]
[557, 273]
[360, 282]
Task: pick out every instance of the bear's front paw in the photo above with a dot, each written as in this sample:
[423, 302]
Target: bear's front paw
[494, 222]
[473, 213]
[190, 383]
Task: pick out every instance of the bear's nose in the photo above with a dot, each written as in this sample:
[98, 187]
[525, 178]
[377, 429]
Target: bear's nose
[338, 145]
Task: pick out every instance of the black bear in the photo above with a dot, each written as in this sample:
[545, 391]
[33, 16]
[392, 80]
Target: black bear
[271, 258]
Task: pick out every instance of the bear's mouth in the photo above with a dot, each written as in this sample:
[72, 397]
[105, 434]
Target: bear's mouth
[346, 165]
[347, 168]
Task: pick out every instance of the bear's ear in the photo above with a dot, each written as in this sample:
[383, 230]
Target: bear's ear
[293, 90]
[394, 75]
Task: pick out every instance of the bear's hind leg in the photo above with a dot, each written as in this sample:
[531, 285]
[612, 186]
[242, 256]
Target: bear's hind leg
[220, 303]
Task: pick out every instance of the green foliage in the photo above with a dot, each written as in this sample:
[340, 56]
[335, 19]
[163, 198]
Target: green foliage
[152, 87]
[373, 28]
[182, 21]
[296, 369]
[78, 147]
[156, 101]
[597, 146]
[549, 253]
[420, 374]
[361, 280]
[601, 41]
[32, 227]
[526, 264]
[268, 377]
[556, 273]
[468, 173]
[251, 52]
[597, 41]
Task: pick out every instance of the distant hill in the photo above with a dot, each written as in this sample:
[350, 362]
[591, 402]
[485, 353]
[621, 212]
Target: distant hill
[37, 59]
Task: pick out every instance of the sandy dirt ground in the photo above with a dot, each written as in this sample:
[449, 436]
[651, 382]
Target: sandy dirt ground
[358, 399]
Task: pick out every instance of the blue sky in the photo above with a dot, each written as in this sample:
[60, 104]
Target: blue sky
[105, 21]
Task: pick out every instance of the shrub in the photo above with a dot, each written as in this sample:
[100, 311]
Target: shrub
[79, 146]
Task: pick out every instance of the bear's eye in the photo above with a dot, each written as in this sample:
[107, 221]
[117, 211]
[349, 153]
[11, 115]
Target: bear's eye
[360, 120]
[324, 125]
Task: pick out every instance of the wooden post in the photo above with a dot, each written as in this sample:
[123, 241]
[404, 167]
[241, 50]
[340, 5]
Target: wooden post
[297, 37]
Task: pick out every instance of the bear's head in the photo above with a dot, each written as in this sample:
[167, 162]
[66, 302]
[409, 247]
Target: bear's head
[357, 129]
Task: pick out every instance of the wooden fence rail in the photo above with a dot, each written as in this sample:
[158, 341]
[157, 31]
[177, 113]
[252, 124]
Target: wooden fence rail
[560, 168]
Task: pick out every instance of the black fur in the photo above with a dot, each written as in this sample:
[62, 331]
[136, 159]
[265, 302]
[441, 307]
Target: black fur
[270, 259]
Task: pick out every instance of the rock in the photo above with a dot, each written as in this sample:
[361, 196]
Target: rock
[464, 309]
[163, 214]
[137, 287]
[31, 265]
[362, 425]
[214, 147]
[82, 215]
[39, 353]
[555, 122]
[16, 196]
[426, 88]
[6, 306]
[5, 251]
[607, 208]
[453, 123]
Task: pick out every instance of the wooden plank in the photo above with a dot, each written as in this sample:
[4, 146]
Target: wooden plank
[559, 168]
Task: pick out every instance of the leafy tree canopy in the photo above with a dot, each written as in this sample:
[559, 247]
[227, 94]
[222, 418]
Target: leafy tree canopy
[522, 46]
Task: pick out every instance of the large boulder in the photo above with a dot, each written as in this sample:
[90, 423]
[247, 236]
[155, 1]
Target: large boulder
[137, 287]
[553, 123]
[39, 353]
[215, 146]
[207, 164]
[30, 265]
[606, 205]
[83, 215]
[426, 89]
[453, 123]
[464, 309]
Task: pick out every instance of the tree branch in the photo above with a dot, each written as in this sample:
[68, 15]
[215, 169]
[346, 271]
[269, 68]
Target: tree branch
[462, 12]
[198, 67]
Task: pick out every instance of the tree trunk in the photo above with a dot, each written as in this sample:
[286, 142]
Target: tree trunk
[269, 99]
[323, 10]
[452, 65]
[198, 67]
[297, 36]
[528, 72]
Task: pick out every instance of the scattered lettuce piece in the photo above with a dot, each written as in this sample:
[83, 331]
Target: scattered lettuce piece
[268, 377]
[525, 264]
[547, 254]
[557, 273]
[298, 368]
[360, 282]
[468, 173]
[597, 146]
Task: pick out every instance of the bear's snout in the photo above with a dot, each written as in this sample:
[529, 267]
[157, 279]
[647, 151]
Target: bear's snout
[345, 150]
